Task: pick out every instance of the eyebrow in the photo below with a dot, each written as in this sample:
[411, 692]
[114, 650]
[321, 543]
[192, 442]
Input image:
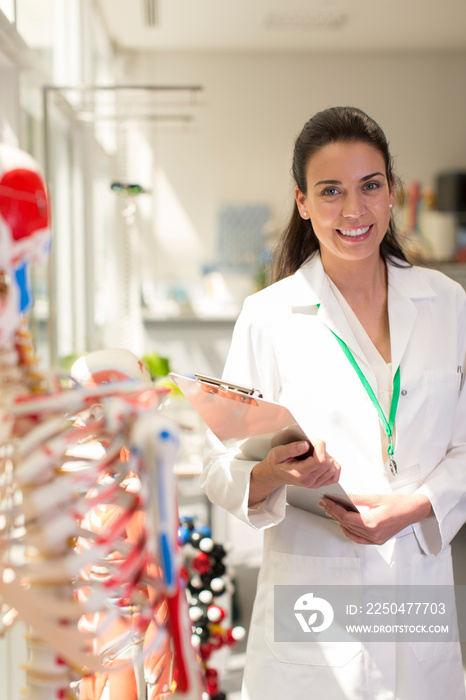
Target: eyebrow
[338, 182]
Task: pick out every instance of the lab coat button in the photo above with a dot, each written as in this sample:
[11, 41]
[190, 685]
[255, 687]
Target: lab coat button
[403, 392]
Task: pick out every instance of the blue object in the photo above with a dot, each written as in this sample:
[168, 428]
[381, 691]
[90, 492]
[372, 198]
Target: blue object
[183, 535]
[24, 283]
[167, 562]
[205, 530]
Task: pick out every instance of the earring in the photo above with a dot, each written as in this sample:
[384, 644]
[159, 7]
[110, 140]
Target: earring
[304, 214]
[391, 206]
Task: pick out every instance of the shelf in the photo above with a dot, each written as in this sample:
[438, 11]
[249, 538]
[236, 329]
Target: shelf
[187, 320]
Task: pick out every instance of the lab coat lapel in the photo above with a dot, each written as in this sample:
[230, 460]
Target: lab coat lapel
[405, 286]
[334, 318]
[402, 315]
[314, 288]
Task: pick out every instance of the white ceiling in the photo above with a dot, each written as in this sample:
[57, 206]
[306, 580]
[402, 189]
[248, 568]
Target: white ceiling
[284, 25]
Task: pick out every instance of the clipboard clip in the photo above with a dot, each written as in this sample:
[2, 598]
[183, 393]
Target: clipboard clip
[226, 386]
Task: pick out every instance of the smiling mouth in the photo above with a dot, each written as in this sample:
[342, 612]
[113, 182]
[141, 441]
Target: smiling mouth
[354, 232]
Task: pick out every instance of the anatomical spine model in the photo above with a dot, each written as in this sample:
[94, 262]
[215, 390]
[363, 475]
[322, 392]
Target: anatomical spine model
[97, 599]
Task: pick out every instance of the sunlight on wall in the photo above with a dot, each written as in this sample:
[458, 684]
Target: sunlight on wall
[8, 9]
[139, 155]
[7, 135]
[174, 230]
[35, 22]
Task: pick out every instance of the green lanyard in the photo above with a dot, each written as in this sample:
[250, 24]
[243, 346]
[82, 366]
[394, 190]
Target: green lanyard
[387, 424]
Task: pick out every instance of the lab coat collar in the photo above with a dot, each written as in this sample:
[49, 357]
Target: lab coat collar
[406, 286]
[312, 289]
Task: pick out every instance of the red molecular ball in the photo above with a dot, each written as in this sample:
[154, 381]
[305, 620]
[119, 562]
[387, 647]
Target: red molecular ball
[212, 687]
[215, 614]
[205, 650]
[201, 563]
[184, 574]
[233, 635]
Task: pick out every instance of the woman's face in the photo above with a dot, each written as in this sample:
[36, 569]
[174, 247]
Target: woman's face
[348, 200]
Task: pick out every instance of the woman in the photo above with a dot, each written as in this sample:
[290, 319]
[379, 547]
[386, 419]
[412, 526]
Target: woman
[346, 303]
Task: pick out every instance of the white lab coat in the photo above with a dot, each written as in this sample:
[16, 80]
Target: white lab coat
[282, 345]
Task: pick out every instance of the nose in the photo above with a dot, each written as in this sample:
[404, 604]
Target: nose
[353, 205]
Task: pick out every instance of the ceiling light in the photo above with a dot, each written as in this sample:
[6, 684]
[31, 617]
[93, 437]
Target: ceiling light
[330, 20]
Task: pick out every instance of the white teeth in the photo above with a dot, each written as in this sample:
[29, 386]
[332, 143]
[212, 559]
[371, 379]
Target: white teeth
[354, 232]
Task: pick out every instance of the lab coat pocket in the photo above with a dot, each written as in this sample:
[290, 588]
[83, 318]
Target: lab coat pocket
[437, 608]
[442, 398]
[299, 570]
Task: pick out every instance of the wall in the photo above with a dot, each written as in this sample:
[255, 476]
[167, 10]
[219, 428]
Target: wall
[255, 104]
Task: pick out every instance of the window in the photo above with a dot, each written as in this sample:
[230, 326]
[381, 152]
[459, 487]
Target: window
[9, 10]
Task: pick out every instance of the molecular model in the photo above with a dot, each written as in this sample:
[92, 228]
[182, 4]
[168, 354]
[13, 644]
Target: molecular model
[206, 582]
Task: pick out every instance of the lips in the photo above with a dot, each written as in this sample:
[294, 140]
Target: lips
[354, 232]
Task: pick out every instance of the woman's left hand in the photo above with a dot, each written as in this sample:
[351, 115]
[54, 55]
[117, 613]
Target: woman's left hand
[383, 516]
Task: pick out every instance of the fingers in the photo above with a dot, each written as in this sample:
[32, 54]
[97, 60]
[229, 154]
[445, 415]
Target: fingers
[330, 469]
[386, 515]
[356, 538]
[293, 450]
[337, 512]
[371, 500]
[312, 472]
[345, 518]
[320, 451]
[318, 470]
[353, 525]
[329, 476]
[284, 466]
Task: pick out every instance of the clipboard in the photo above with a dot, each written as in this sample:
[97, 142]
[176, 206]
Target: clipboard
[243, 421]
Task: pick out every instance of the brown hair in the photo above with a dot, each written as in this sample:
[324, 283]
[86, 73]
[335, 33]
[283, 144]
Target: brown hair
[347, 124]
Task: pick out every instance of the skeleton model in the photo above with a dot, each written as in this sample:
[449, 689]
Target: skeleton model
[88, 517]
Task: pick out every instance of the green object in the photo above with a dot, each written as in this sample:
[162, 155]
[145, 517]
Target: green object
[67, 361]
[387, 424]
[158, 366]
[126, 188]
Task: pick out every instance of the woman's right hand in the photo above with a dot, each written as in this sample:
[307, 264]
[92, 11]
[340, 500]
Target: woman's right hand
[284, 466]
